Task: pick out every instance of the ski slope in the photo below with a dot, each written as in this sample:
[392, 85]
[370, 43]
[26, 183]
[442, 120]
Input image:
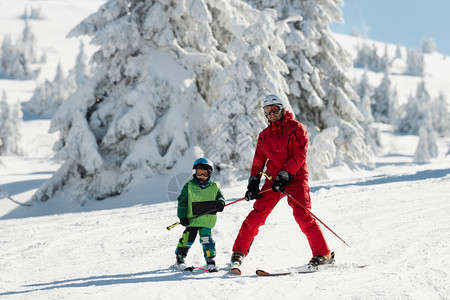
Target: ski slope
[395, 219]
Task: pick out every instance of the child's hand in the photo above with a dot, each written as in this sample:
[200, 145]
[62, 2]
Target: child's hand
[219, 206]
[184, 221]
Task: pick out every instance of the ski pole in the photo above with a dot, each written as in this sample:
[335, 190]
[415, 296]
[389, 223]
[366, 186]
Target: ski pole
[308, 210]
[210, 211]
[6, 195]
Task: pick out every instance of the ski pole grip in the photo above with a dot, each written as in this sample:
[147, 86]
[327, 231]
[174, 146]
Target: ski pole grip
[173, 225]
[266, 175]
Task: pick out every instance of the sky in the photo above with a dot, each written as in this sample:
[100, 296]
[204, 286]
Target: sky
[403, 22]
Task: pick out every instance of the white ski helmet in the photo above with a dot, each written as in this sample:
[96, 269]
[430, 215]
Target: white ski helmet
[272, 99]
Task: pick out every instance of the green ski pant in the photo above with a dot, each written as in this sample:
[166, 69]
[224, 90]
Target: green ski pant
[188, 238]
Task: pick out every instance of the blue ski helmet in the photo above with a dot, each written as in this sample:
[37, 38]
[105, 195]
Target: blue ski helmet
[203, 163]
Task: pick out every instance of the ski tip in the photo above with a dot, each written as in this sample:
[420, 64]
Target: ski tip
[190, 269]
[235, 271]
[262, 273]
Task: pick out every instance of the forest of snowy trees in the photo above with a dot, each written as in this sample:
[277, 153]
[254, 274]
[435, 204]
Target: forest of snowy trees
[48, 96]
[421, 115]
[17, 60]
[170, 76]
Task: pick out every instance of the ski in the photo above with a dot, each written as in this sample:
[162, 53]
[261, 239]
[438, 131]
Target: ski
[192, 269]
[235, 269]
[308, 269]
[305, 271]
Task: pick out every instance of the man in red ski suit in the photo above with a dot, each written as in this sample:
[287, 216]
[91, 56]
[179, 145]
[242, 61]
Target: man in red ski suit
[281, 147]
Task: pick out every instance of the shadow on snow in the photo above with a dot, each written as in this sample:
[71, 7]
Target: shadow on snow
[160, 275]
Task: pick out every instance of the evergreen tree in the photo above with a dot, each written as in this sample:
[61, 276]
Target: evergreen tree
[367, 58]
[365, 92]
[236, 114]
[161, 70]
[320, 91]
[440, 116]
[415, 62]
[398, 52]
[428, 45]
[427, 146]
[10, 121]
[80, 71]
[16, 59]
[322, 153]
[384, 99]
[48, 96]
[416, 111]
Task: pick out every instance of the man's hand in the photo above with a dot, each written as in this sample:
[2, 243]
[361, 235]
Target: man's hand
[283, 179]
[253, 189]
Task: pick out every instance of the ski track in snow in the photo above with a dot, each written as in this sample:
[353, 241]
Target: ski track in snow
[398, 230]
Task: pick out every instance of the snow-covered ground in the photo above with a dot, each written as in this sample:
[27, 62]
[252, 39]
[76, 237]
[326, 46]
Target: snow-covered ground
[394, 217]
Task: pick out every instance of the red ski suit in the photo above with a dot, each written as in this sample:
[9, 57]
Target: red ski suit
[282, 146]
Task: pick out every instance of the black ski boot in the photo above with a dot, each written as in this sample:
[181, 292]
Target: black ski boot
[211, 265]
[180, 263]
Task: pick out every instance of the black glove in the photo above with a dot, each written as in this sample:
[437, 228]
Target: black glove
[219, 206]
[184, 221]
[283, 179]
[253, 189]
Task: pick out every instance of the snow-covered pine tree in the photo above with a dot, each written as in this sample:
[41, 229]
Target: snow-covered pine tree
[10, 122]
[398, 52]
[48, 96]
[440, 115]
[363, 56]
[322, 153]
[320, 91]
[427, 146]
[415, 62]
[153, 82]
[16, 59]
[416, 111]
[364, 90]
[27, 44]
[6, 54]
[367, 58]
[252, 72]
[384, 100]
[365, 93]
[428, 45]
[79, 74]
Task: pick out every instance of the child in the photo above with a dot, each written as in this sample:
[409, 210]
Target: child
[199, 197]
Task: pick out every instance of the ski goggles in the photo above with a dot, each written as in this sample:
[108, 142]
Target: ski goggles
[276, 109]
[202, 173]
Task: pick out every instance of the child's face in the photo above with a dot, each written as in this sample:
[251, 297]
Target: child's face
[202, 175]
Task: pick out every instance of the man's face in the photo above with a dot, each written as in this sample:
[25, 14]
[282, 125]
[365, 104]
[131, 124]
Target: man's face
[273, 113]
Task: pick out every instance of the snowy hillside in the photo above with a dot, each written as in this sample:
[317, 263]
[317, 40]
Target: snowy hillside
[394, 216]
[437, 68]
